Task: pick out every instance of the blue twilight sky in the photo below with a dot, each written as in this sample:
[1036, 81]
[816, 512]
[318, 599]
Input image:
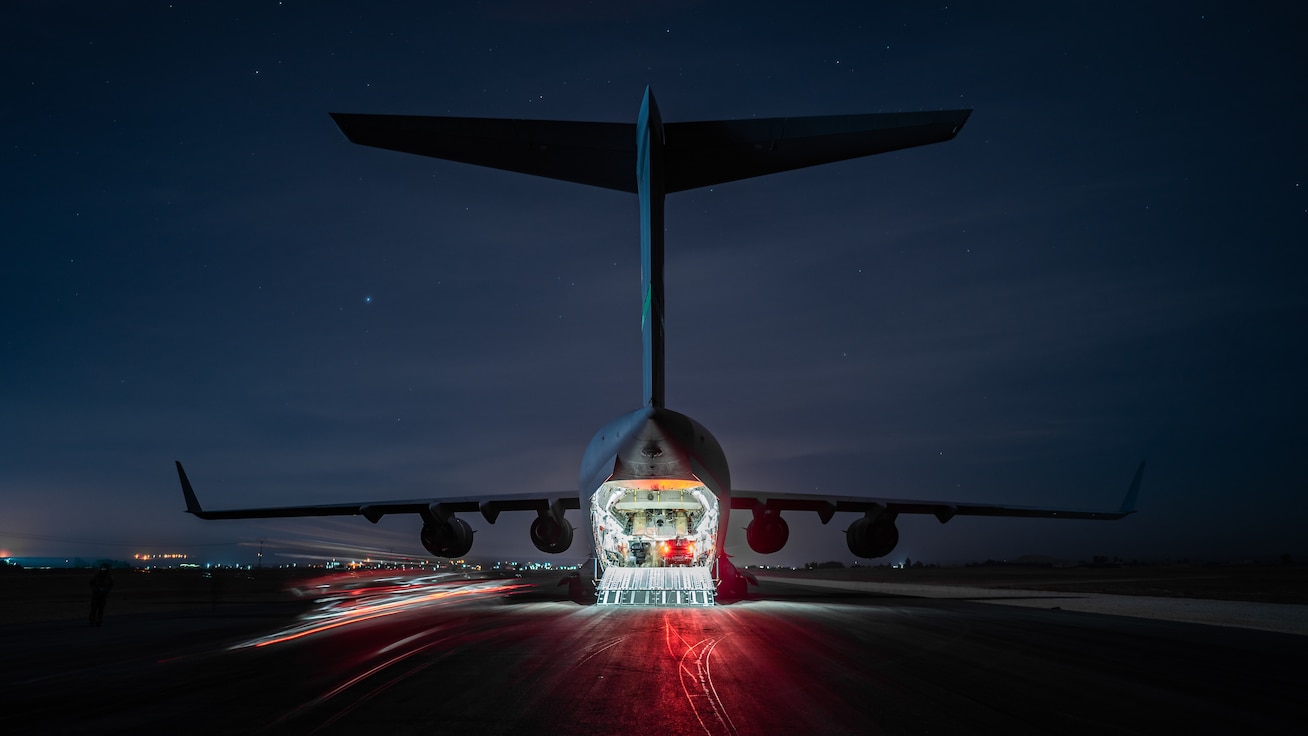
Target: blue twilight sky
[1106, 265]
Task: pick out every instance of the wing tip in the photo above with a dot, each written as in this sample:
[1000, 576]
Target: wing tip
[192, 503]
[1133, 492]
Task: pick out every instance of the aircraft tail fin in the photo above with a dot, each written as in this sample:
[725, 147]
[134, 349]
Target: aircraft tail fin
[652, 159]
[697, 154]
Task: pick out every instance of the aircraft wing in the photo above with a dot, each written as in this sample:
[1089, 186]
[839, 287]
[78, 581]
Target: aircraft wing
[489, 506]
[826, 506]
[697, 154]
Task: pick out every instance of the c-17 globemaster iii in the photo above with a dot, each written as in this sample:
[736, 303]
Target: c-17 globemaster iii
[654, 486]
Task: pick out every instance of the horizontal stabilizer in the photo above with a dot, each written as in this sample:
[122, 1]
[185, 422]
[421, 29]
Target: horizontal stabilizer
[599, 154]
[701, 154]
[697, 154]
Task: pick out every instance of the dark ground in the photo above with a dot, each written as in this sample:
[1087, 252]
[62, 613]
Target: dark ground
[54, 595]
[491, 658]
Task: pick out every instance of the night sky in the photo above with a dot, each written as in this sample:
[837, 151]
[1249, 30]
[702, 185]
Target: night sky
[1107, 265]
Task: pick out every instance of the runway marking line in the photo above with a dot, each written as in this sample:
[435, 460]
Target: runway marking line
[701, 677]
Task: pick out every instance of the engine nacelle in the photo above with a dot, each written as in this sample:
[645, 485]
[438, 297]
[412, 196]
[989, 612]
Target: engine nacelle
[551, 535]
[451, 537]
[872, 536]
[767, 533]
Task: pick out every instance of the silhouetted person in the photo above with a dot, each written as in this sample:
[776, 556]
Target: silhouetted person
[101, 584]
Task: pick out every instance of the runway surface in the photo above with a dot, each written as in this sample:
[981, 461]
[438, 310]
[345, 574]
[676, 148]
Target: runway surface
[427, 656]
[1286, 618]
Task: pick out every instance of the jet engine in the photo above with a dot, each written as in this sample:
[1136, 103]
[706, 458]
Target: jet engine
[550, 534]
[450, 537]
[874, 535]
[767, 533]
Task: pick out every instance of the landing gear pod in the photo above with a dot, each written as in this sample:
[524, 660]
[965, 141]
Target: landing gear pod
[733, 583]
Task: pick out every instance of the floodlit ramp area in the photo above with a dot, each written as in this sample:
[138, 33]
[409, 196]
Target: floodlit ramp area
[656, 586]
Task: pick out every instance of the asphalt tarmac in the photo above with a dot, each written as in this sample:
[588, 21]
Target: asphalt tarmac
[430, 656]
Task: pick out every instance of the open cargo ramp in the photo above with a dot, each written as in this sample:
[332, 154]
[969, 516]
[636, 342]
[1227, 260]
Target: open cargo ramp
[656, 586]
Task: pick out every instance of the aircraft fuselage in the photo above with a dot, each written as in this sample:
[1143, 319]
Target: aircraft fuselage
[651, 476]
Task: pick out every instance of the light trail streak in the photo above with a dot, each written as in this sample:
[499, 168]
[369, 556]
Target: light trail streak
[360, 605]
[380, 688]
[344, 686]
